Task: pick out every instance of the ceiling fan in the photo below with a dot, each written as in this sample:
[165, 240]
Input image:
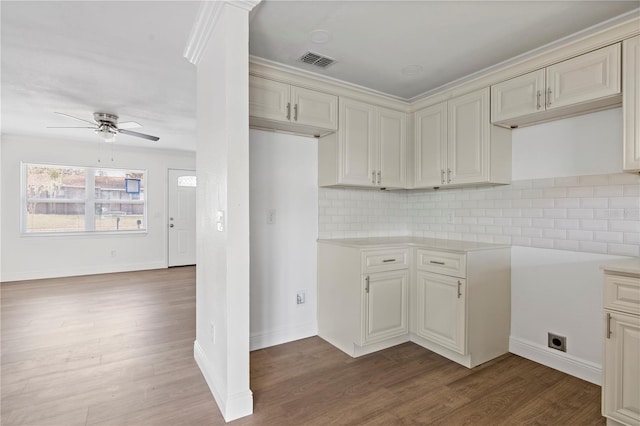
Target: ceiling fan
[106, 126]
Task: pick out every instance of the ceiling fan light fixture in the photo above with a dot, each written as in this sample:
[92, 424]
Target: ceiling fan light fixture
[106, 133]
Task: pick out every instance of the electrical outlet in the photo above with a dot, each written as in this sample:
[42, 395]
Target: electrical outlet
[212, 333]
[271, 217]
[301, 297]
[557, 342]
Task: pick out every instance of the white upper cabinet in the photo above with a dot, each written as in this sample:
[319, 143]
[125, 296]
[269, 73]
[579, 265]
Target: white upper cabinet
[369, 149]
[585, 83]
[281, 106]
[430, 146]
[468, 134]
[455, 144]
[269, 99]
[357, 143]
[517, 97]
[631, 103]
[392, 142]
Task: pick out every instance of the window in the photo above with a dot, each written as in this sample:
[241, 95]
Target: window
[63, 199]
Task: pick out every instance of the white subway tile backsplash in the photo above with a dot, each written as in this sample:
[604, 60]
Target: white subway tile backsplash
[624, 202]
[594, 203]
[599, 213]
[624, 179]
[580, 192]
[593, 180]
[609, 191]
[593, 247]
[594, 224]
[623, 249]
[608, 237]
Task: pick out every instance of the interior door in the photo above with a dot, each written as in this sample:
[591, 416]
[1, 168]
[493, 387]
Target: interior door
[182, 217]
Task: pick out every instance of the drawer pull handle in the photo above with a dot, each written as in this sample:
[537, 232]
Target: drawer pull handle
[436, 262]
[538, 106]
[366, 288]
[373, 177]
[288, 110]
[389, 260]
[608, 325]
[459, 292]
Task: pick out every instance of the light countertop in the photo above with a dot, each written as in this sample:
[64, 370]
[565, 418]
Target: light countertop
[427, 243]
[626, 266]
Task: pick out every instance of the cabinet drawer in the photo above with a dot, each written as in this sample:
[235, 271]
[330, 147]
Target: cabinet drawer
[441, 262]
[385, 260]
[622, 293]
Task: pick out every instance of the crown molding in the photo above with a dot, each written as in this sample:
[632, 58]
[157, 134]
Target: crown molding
[206, 20]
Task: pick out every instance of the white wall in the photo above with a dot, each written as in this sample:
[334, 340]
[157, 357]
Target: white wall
[284, 179]
[589, 144]
[31, 257]
[221, 348]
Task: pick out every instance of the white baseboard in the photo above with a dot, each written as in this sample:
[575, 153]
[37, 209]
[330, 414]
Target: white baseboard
[73, 271]
[278, 336]
[571, 365]
[232, 407]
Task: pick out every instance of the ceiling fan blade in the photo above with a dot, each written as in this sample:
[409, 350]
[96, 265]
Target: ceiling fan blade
[139, 135]
[70, 127]
[129, 125]
[76, 118]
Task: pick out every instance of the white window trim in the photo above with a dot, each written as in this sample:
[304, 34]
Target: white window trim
[89, 201]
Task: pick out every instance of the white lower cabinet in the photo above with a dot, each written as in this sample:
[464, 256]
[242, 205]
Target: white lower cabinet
[441, 310]
[385, 299]
[363, 297]
[454, 302]
[621, 360]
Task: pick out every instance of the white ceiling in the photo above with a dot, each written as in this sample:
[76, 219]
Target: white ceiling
[125, 57]
[372, 41]
[120, 57]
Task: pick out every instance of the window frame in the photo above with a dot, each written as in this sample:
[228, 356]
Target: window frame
[90, 201]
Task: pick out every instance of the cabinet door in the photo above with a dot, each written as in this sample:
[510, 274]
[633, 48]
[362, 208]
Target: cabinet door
[468, 136]
[441, 316]
[356, 143]
[587, 77]
[430, 146]
[621, 378]
[314, 109]
[631, 103]
[269, 99]
[385, 313]
[392, 148]
[518, 97]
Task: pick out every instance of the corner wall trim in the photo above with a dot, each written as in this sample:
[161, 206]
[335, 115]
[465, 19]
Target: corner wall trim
[231, 407]
[283, 335]
[577, 367]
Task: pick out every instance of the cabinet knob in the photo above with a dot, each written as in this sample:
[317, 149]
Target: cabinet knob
[171, 225]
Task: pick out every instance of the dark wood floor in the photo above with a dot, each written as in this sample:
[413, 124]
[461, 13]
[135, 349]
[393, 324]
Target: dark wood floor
[118, 349]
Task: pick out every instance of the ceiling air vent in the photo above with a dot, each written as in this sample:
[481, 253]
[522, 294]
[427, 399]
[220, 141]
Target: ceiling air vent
[317, 60]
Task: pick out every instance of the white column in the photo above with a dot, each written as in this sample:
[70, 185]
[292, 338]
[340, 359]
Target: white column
[219, 46]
